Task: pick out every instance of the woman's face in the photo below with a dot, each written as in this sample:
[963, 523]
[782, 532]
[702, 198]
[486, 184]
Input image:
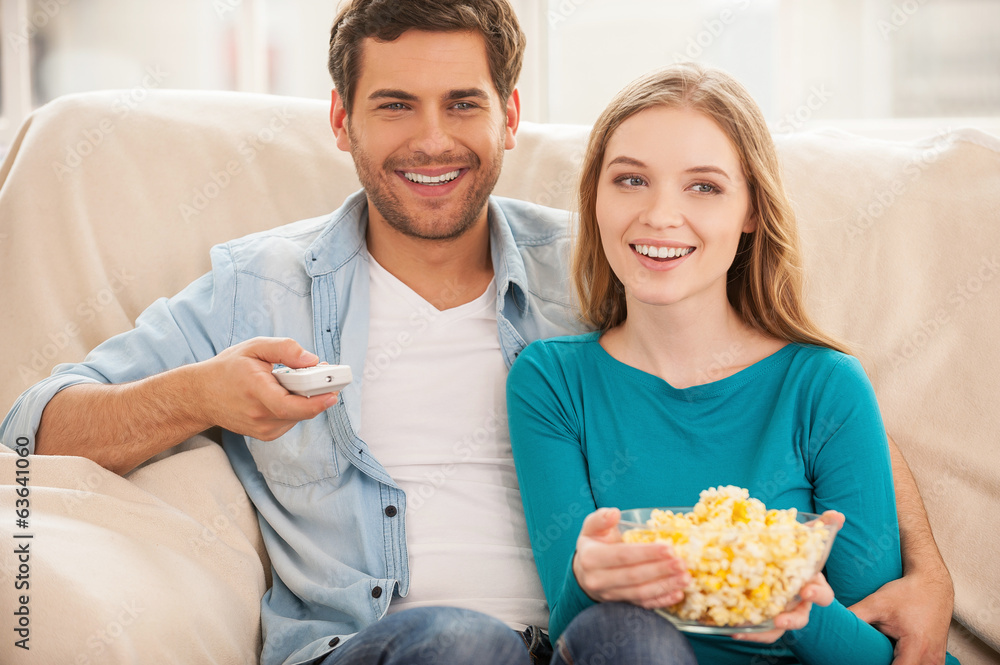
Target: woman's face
[672, 203]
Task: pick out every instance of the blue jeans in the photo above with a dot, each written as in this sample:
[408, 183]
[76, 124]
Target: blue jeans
[620, 633]
[435, 636]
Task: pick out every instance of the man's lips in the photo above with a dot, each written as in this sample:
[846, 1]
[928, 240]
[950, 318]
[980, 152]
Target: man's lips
[440, 176]
[432, 182]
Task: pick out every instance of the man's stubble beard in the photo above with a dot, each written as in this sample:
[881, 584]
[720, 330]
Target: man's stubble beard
[377, 183]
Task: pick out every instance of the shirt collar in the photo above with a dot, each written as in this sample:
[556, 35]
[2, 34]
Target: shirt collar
[344, 238]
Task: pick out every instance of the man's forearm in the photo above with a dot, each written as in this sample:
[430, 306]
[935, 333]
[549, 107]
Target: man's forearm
[919, 550]
[121, 426]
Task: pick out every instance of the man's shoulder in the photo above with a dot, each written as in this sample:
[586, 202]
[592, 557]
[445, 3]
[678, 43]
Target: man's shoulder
[532, 223]
[299, 234]
[292, 241]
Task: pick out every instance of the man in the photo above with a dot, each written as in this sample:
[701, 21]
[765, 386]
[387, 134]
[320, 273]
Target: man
[402, 494]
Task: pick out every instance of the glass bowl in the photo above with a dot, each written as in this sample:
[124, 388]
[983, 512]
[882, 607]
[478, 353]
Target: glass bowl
[743, 575]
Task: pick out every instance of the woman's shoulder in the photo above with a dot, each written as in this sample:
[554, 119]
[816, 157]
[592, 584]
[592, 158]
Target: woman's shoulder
[828, 367]
[553, 356]
[564, 346]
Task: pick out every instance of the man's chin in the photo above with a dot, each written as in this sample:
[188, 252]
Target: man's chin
[431, 229]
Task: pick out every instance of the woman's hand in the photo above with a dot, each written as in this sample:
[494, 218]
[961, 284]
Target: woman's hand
[644, 574]
[816, 590]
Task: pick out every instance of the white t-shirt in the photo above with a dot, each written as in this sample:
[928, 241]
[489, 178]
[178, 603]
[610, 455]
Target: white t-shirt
[433, 412]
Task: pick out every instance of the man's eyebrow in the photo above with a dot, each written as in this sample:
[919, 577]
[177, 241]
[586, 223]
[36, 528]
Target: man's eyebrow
[389, 93]
[464, 93]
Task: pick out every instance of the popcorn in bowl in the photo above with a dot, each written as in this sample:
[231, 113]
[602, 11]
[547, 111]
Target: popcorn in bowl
[747, 563]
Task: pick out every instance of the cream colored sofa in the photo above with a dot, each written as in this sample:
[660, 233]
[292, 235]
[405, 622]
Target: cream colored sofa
[108, 203]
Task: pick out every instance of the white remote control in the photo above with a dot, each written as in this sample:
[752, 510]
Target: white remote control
[316, 380]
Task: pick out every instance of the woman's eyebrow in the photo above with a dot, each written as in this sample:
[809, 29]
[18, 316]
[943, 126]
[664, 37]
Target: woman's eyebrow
[628, 161]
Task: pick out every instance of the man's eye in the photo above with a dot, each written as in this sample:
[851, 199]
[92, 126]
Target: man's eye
[465, 106]
[394, 106]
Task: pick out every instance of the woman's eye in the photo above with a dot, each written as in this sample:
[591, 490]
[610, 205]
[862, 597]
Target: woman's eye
[705, 188]
[630, 181]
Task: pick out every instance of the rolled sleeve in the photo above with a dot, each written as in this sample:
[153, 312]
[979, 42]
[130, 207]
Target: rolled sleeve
[192, 326]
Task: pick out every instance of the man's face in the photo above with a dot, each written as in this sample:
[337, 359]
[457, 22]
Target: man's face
[427, 132]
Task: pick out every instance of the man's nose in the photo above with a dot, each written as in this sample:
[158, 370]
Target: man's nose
[432, 135]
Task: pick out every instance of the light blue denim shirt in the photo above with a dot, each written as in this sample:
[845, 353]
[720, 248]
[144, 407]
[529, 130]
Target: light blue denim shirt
[337, 553]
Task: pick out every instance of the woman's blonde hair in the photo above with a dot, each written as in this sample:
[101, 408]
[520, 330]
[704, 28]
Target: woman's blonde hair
[765, 280]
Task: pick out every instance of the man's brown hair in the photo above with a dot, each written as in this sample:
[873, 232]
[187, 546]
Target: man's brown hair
[386, 20]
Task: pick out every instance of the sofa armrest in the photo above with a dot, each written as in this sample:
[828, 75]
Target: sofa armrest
[165, 565]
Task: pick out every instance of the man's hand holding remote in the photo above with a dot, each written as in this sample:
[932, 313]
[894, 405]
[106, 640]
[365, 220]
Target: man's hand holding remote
[122, 425]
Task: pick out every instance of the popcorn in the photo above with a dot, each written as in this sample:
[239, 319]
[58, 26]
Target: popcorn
[746, 562]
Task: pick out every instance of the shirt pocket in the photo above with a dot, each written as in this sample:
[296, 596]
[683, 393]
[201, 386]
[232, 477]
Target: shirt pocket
[302, 455]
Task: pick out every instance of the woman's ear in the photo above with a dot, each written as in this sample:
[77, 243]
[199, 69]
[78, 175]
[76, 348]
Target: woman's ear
[751, 224]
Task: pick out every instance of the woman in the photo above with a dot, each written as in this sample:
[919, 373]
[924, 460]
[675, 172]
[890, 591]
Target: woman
[704, 370]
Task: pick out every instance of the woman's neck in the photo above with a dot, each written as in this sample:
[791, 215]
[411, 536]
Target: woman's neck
[688, 343]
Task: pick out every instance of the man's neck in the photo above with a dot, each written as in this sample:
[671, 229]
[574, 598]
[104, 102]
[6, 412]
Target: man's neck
[445, 273]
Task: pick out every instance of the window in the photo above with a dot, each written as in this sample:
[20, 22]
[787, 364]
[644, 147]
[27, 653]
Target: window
[803, 60]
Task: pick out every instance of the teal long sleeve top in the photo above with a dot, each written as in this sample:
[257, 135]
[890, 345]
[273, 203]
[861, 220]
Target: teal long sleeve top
[801, 428]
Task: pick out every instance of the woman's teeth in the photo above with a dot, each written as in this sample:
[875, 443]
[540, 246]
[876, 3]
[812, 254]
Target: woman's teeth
[662, 252]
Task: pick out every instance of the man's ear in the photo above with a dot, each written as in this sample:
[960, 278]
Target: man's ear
[513, 118]
[338, 121]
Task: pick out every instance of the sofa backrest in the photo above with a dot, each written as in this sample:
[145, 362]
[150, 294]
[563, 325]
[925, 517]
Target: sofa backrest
[108, 202]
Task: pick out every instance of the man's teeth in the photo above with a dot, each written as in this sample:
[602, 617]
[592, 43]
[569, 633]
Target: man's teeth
[432, 180]
[663, 252]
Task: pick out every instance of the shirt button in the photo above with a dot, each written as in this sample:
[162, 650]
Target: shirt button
[376, 592]
[390, 511]
[335, 641]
